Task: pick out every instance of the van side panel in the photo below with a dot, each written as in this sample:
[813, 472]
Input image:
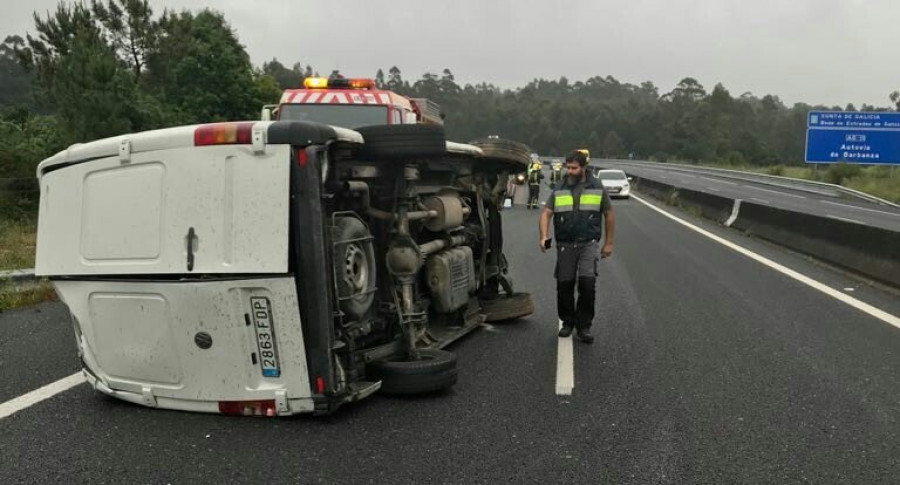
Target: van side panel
[109, 217]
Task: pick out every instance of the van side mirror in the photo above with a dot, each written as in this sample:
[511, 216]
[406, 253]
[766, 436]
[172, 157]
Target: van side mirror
[268, 112]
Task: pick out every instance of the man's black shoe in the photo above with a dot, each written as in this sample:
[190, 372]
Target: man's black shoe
[566, 330]
[585, 336]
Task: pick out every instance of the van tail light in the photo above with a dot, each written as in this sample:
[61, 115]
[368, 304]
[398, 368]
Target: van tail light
[224, 134]
[320, 385]
[301, 157]
[265, 407]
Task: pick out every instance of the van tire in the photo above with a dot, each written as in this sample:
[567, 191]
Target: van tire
[354, 266]
[507, 307]
[433, 371]
[512, 153]
[403, 142]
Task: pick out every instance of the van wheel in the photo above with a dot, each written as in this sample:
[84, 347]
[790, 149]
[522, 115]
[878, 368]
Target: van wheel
[403, 142]
[506, 307]
[432, 371]
[512, 154]
[354, 266]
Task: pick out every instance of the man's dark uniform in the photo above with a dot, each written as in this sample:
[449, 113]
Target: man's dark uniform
[534, 187]
[578, 212]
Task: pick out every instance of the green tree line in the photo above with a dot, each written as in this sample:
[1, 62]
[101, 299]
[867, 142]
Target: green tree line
[93, 70]
[99, 69]
[615, 119]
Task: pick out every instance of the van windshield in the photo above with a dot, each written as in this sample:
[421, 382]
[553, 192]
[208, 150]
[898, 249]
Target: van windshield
[345, 116]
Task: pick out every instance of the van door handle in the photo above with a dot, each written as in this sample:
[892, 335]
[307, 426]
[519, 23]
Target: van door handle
[190, 249]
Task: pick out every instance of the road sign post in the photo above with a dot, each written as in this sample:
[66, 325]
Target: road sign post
[866, 138]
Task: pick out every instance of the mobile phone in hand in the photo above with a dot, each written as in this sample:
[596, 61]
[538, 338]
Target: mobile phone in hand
[548, 243]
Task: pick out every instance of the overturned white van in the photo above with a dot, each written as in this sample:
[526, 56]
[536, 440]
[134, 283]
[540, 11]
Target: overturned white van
[272, 268]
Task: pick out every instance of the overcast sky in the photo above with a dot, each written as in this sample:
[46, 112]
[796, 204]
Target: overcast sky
[832, 52]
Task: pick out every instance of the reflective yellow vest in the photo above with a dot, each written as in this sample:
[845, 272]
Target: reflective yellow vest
[581, 220]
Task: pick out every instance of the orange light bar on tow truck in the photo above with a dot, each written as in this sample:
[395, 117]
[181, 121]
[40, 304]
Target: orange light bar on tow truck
[338, 83]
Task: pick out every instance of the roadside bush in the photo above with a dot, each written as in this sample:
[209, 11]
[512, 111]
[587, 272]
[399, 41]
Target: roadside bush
[838, 173]
[735, 159]
[775, 170]
[660, 157]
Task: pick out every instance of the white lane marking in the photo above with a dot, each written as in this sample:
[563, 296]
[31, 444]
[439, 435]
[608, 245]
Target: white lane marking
[719, 181]
[565, 366]
[762, 201]
[713, 189]
[734, 212]
[845, 219]
[776, 192]
[27, 400]
[837, 295]
[860, 208]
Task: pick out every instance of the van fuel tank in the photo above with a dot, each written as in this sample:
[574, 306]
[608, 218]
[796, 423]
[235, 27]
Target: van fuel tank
[451, 278]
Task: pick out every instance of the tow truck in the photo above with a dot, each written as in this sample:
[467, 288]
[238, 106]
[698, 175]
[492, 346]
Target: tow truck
[351, 103]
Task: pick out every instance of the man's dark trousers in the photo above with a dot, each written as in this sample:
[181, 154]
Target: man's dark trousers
[576, 267]
[534, 191]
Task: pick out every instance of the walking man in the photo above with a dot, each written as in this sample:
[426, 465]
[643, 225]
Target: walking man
[556, 174]
[534, 183]
[581, 210]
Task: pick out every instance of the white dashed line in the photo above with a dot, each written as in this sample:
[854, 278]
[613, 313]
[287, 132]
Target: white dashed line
[845, 219]
[837, 295]
[761, 201]
[27, 400]
[713, 189]
[719, 181]
[860, 208]
[776, 192]
[565, 366]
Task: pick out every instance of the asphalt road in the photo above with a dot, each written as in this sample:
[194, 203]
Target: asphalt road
[708, 368]
[815, 201]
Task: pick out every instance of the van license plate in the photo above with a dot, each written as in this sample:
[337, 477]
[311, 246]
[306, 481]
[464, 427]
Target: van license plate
[265, 336]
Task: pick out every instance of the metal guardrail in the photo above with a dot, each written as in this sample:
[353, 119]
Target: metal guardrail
[18, 275]
[758, 178]
[788, 182]
[873, 252]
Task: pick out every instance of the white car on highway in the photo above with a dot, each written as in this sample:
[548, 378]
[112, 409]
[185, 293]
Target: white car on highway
[615, 181]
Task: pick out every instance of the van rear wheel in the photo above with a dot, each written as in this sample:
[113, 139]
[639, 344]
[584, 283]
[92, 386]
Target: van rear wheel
[434, 370]
[403, 142]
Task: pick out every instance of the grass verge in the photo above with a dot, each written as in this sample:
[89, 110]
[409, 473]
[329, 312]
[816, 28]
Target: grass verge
[17, 244]
[12, 297]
